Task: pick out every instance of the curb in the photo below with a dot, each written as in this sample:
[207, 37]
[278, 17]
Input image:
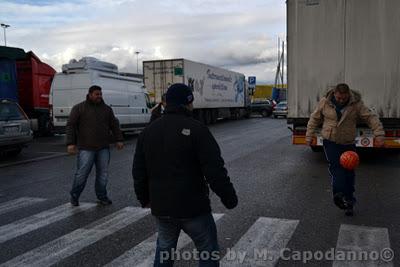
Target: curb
[57, 155]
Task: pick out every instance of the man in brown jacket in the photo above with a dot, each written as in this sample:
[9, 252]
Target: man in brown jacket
[339, 112]
[89, 130]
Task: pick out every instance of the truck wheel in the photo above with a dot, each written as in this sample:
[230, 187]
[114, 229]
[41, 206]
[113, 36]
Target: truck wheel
[200, 116]
[234, 114]
[208, 116]
[317, 148]
[214, 116]
[14, 152]
[45, 126]
[264, 113]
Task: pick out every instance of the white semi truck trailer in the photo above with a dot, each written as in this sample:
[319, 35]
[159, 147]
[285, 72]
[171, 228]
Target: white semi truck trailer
[218, 93]
[352, 41]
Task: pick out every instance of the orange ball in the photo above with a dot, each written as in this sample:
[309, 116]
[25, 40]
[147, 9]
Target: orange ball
[349, 160]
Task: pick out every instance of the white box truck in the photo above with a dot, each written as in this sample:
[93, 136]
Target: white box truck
[350, 41]
[125, 95]
[218, 93]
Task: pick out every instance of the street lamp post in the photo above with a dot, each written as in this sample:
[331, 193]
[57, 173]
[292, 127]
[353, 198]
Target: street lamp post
[5, 26]
[137, 61]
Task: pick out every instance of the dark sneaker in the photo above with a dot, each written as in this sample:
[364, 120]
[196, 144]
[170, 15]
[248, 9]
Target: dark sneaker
[339, 201]
[349, 211]
[104, 202]
[74, 202]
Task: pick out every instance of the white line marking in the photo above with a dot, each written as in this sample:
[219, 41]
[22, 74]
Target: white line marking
[67, 245]
[142, 255]
[361, 241]
[18, 203]
[262, 244]
[39, 220]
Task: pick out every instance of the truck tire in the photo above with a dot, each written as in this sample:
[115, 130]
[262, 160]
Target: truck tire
[45, 126]
[235, 114]
[14, 152]
[199, 115]
[317, 148]
[264, 113]
[208, 116]
[214, 116]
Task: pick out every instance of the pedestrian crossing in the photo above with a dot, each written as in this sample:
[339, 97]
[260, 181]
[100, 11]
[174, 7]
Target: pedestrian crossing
[42, 219]
[143, 254]
[261, 245]
[368, 240]
[269, 234]
[18, 204]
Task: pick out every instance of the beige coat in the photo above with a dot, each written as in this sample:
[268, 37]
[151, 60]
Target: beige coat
[343, 131]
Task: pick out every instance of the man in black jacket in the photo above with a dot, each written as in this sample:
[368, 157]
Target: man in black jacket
[176, 161]
[89, 129]
[158, 110]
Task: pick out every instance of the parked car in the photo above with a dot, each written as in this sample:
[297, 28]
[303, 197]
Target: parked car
[15, 128]
[263, 107]
[280, 109]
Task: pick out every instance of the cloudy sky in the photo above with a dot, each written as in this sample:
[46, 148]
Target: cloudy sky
[233, 34]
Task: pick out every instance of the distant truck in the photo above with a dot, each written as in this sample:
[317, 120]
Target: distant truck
[25, 79]
[350, 41]
[218, 93]
[123, 92]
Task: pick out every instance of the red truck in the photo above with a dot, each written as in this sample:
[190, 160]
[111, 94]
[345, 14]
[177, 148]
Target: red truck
[32, 84]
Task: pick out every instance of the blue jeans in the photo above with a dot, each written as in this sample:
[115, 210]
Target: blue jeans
[85, 161]
[201, 230]
[342, 180]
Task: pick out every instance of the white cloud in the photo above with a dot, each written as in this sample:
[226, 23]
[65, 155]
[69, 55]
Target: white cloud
[241, 35]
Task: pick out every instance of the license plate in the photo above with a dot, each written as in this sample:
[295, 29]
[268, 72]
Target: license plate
[62, 119]
[11, 130]
[364, 141]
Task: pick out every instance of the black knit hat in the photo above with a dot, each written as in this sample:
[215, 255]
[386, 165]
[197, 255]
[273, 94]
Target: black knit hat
[179, 94]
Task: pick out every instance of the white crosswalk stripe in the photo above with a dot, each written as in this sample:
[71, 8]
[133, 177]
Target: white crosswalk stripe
[67, 245]
[39, 220]
[262, 243]
[362, 246]
[18, 203]
[143, 254]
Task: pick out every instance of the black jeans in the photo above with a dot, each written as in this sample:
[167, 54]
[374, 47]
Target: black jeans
[342, 180]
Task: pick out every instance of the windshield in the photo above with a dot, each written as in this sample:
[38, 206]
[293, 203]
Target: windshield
[282, 104]
[10, 111]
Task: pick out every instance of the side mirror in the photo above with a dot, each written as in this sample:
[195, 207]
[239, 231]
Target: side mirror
[34, 124]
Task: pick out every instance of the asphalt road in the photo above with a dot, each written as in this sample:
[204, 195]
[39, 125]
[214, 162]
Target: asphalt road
[285, 206]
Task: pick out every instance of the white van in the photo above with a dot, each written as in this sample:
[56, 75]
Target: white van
[126, 95]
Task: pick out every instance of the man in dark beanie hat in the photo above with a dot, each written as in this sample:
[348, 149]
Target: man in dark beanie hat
[176, 161]
[179, 94]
